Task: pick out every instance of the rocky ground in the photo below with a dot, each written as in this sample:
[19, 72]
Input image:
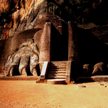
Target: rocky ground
[28, 94]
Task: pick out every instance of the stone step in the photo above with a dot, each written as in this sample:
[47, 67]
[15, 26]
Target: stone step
[56, 67]
[58, 63]
[56, 77]
[58, 74]
[55, 70]
[56, 81]
[60, 68]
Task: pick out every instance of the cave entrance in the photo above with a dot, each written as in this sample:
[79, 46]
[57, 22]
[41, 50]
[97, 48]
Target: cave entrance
[59, 44]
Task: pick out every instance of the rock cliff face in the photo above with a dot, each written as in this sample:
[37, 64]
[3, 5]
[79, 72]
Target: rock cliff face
[16, 15]
[23, 24]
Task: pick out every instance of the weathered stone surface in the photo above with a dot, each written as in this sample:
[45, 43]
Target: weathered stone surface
[27, 52]
[18, 51]
[98, 69]
[22, 21]
[17, 15]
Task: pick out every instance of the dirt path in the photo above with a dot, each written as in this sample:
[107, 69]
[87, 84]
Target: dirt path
[28, 94]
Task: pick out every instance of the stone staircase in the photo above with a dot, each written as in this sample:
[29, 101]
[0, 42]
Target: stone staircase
[56, 72]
